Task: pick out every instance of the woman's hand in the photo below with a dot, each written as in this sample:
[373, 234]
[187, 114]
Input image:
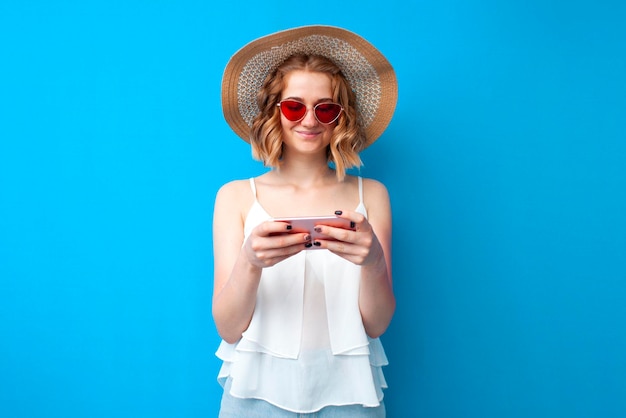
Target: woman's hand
[358, 245]
[271, 242]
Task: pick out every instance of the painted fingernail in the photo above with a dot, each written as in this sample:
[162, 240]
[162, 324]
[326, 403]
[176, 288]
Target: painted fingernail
[352, 225]
[317, 243]
[317, 229]
[288, 227]
[338, 212]
[308, 245]
[307, 237]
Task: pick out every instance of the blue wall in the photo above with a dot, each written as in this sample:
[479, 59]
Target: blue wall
[506, 164]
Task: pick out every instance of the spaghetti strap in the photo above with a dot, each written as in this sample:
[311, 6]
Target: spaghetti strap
[361, 207]
[253, 187]
[360, 190]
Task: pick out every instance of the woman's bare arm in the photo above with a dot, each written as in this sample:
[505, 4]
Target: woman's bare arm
[238, 264]
[235, 279]
[376, 298]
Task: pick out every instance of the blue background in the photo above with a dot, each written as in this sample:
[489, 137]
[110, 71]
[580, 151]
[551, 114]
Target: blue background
[505, 161]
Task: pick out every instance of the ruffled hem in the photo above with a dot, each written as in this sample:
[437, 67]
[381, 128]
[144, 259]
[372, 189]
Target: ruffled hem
[315, 380]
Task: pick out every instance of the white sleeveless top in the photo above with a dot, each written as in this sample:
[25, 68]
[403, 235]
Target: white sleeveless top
[305, 347]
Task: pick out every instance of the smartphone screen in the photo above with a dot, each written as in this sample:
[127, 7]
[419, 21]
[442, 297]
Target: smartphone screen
[308, 223]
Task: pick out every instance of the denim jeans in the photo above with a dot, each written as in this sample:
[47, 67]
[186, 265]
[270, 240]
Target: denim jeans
[256, 408]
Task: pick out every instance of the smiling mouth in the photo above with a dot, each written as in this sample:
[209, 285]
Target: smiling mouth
[308, 133]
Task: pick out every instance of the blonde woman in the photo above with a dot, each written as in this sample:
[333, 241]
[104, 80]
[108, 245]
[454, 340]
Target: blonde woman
[300, 311]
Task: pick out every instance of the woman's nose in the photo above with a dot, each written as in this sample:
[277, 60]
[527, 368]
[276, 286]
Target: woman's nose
[309, 118]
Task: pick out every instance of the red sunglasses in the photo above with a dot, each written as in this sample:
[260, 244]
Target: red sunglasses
[295, 111]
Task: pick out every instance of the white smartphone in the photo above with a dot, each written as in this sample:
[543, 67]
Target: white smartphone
[308, 223]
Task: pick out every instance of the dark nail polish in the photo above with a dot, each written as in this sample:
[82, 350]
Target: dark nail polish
[338, 212]
[307, 237]
[352, 225]
[288, 227]
[317, 243]
[317, 229]
[308, 245]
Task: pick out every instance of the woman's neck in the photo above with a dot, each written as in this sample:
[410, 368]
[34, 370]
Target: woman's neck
[304, 172]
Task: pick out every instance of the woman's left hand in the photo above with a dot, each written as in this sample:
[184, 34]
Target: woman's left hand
[360, 245]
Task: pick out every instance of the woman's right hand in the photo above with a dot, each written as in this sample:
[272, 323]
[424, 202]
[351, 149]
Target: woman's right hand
[272, 242]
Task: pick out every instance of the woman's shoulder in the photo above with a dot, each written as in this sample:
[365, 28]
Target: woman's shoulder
[234, 186]
[235, 194]
[371, 186]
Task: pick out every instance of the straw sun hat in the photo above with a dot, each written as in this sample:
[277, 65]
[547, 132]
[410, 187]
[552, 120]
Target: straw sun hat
[369, 73]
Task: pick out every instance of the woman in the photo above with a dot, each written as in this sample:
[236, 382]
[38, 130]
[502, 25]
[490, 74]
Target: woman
[299, 316]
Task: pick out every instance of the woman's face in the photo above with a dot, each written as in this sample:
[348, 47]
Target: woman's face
[306, 136]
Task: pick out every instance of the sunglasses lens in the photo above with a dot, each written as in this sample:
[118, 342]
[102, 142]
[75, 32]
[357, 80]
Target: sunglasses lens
[292, 110]
[327, 112]
[324, 112]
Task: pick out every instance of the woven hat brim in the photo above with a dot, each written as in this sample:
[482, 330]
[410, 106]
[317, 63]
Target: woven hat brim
[369, 73]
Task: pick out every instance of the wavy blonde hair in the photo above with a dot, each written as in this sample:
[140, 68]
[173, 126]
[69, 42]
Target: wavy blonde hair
[348, 138]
